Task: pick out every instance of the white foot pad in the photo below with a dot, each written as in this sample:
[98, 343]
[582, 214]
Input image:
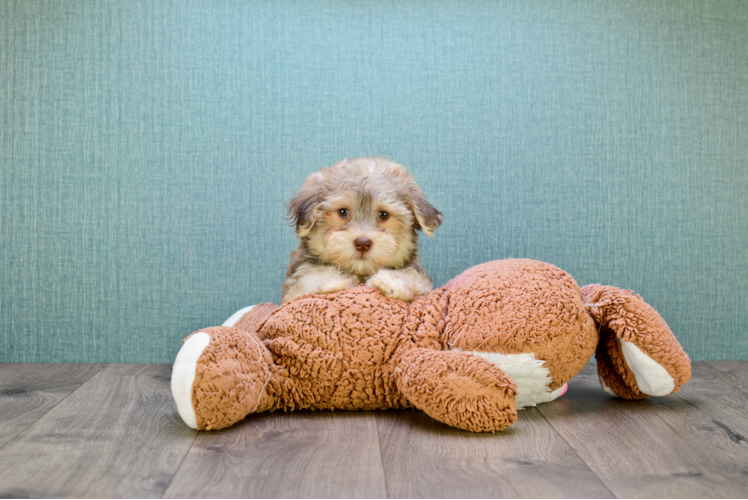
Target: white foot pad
[237, 316]
[651, 377]
[183, 375]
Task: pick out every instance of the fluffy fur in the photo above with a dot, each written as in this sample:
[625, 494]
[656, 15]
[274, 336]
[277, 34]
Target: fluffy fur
[358, 222]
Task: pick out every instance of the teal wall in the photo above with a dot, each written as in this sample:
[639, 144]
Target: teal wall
[147, 148]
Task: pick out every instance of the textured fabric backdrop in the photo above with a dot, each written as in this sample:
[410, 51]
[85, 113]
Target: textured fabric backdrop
[147, 148]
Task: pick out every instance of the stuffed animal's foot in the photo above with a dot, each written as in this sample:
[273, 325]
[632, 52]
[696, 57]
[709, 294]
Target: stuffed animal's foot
[458, 389]
[638, 356]
[221, 374]
[626, 371]
[183, 376]
[250, 318]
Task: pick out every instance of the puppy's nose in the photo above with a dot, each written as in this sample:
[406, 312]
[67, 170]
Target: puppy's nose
[362, 244]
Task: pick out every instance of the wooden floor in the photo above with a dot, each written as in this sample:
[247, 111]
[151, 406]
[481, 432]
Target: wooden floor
[113, 431]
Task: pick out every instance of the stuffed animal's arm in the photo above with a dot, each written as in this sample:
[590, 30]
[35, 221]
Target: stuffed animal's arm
[458, 389]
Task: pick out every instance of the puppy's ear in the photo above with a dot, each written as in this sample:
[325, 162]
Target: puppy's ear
[427, 217]
[302, 207]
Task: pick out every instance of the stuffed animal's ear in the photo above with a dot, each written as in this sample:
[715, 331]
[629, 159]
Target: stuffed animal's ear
[427, 217]
[302, 208]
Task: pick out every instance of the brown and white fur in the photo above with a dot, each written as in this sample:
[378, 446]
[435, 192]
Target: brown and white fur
[358, 222]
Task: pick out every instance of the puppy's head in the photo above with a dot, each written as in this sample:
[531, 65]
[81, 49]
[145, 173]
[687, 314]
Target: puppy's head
[362, 215]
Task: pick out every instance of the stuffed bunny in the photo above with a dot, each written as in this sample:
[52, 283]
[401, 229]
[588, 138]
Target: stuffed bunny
[499, 337]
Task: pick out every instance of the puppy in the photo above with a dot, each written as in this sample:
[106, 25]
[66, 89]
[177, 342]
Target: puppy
[358, 222]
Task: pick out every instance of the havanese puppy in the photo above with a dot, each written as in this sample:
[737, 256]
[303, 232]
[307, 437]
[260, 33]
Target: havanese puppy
[358, 222]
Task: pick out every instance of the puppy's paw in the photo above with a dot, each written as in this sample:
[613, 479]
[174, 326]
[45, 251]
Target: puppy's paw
[337, 284]
[392, 284]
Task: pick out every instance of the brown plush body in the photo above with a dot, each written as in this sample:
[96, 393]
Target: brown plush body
[358, 350]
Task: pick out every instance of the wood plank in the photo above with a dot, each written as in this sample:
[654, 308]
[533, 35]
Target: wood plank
[712, 389]
[659, 447]
[270, 455]
[118, 435]
[30, 390]
[424, 458]
[732, 372]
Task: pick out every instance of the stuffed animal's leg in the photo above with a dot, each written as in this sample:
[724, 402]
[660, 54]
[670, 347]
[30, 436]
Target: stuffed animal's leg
[638, 356]
[250, 318]
[458, 388]
[221, 375]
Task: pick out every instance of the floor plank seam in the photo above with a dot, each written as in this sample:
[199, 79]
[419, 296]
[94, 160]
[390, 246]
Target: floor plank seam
[602, 481]
[381, 456]
[103, 367]
[176, 471]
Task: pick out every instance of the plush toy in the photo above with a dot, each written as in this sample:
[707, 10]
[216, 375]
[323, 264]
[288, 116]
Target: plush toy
[499, 337]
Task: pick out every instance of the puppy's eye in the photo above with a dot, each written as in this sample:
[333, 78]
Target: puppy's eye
[343, 212]
[383, 215]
